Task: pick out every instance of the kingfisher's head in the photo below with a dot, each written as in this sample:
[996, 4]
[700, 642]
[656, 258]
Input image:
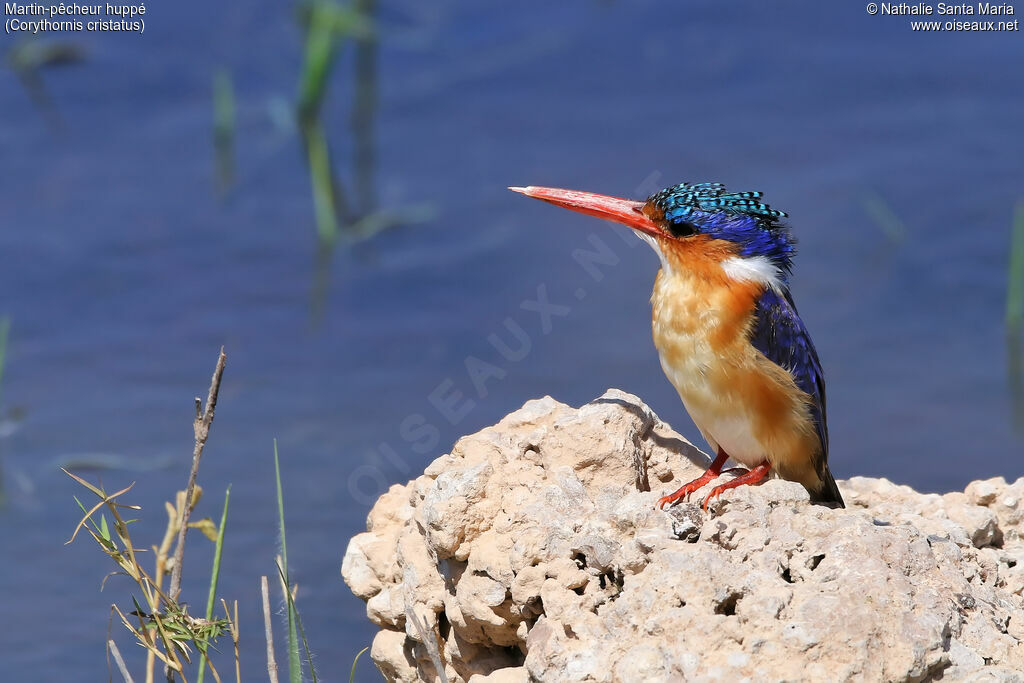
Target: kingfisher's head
[700, 218]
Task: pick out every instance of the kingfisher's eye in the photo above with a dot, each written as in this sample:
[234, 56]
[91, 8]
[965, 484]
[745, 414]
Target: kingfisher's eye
[681, 228]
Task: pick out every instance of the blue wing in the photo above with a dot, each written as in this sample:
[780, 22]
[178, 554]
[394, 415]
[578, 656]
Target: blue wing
[781, 336]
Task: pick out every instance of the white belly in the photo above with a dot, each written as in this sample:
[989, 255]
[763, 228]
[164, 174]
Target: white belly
[723, 425]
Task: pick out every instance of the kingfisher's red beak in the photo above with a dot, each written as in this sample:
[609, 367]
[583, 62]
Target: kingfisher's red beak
[624, 211]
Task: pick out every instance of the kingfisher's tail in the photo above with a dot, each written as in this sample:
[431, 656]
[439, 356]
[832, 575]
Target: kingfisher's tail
[828, 494]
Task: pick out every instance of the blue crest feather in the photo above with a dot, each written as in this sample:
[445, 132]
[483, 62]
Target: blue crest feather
[739, 217]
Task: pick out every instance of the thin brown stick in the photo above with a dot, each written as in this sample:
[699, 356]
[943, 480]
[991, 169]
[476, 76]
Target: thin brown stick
[201, 428]
[271, 662]
[233, 622]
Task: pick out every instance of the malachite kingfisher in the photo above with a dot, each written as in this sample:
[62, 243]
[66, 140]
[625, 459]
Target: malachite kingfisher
[727, 331]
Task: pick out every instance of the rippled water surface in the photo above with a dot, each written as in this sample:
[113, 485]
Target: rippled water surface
[898, 156]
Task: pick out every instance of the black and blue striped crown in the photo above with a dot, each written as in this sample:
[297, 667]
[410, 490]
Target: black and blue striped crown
[711, 197]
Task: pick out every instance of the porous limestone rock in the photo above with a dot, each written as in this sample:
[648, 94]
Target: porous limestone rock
[534, 551]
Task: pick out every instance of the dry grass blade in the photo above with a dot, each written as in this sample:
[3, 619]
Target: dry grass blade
[98, 491]
[213, 670]
[235, 635]
[116, 654]
[429, 642]
[142, 634]
[269, 631]
[105, 499]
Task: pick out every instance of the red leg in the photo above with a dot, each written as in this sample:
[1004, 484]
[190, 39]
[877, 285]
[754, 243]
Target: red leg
[686, 489]
[752, 477]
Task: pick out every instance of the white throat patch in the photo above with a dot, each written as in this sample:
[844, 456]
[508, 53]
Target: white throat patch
[754, 269]
[653, 241]
[758, 269]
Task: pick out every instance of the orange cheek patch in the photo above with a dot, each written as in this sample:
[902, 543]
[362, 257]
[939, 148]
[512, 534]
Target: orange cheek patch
[700, 255]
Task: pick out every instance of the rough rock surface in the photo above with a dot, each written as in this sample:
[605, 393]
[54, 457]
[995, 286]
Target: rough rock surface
[534, 551]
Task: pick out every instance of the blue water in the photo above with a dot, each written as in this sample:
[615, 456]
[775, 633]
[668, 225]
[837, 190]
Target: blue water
[124, 269]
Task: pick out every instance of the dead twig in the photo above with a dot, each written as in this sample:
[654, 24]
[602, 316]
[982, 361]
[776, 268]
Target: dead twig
[201, 428]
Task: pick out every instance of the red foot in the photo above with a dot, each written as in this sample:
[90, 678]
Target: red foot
[713, 471]
[752, 477]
